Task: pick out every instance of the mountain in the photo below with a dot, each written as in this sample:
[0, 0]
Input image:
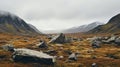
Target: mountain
[82, 28]
[34, 28]
[10, 23]
[112, 26]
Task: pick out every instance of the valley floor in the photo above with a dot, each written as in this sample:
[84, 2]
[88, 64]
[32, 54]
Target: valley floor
[87, 54]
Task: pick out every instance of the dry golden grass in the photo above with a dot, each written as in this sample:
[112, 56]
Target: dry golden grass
[85, 59]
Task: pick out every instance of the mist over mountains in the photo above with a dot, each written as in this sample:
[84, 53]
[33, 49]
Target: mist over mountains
[10, 23]
[82, 28]
[113, 26]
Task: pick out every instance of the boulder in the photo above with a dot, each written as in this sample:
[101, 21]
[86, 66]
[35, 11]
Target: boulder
[58, 39]
[61, 57]
[96, 44]
[94, 65]
[117, 41]
[73, 57]
[28, 55]
[112, 39]
[94, 38]
[42, 44]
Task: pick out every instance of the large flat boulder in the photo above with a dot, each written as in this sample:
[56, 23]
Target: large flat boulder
[28, 55]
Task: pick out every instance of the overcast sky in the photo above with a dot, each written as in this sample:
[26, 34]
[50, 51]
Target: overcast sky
[61, 14]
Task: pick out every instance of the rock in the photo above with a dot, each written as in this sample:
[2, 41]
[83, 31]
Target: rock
[94, 65]
[106, 38]
[59, 39]
[117, 41]
[8, 47]
[27, 55]
[61, 57]
[112, 39]
[94, 38]
[96, 44]
[42, 45]
[73, 57]
[59, 44]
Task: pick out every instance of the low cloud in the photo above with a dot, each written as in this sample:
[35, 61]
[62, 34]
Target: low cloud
[60, 14]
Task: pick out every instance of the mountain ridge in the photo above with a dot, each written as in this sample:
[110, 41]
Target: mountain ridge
[112, 26]
[10, 23]
[82, 28]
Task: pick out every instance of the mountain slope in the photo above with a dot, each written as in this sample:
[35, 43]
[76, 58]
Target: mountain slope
[34, 28]
[83, 28]
[112, 26]
[10, 23]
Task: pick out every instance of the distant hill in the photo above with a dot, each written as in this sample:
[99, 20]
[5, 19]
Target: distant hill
[83, 28]
[10, 23]
[112, 26]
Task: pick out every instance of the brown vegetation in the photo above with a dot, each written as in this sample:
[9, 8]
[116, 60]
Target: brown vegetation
[85, 58]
